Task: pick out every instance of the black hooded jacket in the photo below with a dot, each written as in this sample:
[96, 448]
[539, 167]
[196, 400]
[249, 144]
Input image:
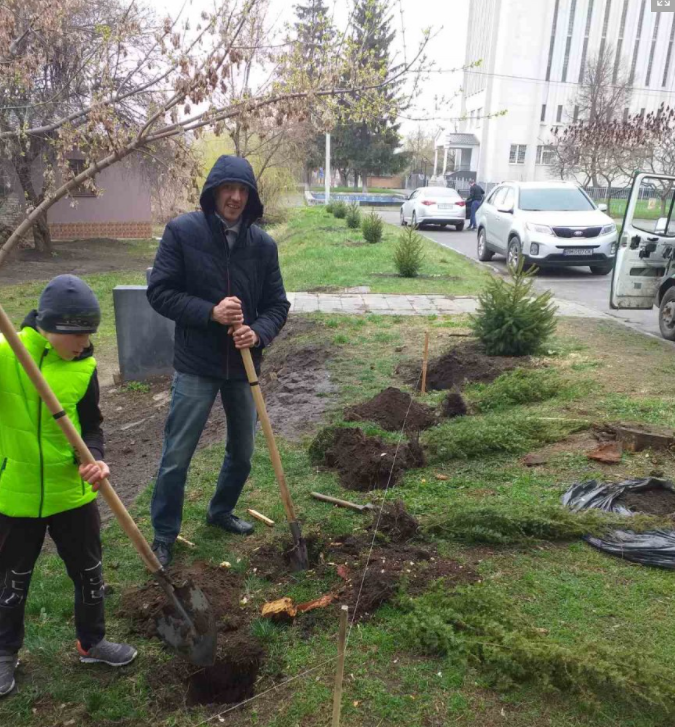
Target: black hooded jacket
[194, 270]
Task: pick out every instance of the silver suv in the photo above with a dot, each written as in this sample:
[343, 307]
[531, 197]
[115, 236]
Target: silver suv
[547, 224]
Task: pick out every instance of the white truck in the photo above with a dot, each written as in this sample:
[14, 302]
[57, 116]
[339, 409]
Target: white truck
[644, 271]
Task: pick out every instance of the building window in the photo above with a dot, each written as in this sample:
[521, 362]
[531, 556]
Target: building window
[568, 46]
[552, 46]
[479, 117]
[558, 116]
[643, 111]
[605, 26]
[517, 153]
[625, 114]
[619, 43]
[576, 114]
[636, 49]
[77, 166]
[657, 25]
[670, 53]
[543, 112]
[545, 154]
[587, 35]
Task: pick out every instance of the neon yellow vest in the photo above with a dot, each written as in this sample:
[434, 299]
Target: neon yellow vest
[38, 472]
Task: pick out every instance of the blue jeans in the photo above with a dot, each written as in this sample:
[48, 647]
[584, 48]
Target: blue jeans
[475, 204]
[192, 398]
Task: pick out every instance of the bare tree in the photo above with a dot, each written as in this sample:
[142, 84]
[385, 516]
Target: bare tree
[186, 73]
[603, 95]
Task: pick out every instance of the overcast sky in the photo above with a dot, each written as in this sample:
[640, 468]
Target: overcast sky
[447, 19]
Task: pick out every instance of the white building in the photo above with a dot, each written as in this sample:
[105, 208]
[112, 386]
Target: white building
[532, 55]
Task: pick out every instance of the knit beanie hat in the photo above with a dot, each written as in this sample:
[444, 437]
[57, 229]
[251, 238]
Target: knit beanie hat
[68, 305]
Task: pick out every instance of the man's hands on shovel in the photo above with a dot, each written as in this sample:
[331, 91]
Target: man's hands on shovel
[229, 313]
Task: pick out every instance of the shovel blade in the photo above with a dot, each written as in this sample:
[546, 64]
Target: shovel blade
[196, 639]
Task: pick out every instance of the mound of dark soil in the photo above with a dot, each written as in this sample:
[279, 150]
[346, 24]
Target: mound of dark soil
[392, 409]
[396, 522]
[364, 463]
[465, 363]
[454, 405]
[374, 578]
[652, 502]
[221, 587]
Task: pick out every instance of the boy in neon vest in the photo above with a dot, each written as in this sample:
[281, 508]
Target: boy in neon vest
[42, 487]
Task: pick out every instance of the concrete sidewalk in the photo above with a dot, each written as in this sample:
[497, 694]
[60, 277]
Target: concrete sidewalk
[409, 305]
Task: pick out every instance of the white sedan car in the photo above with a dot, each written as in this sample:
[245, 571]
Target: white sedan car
[434, 206]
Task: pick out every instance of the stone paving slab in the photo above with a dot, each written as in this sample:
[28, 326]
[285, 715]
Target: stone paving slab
[399, 305]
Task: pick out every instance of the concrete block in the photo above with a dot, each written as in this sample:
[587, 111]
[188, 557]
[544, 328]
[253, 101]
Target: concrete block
[144, 338]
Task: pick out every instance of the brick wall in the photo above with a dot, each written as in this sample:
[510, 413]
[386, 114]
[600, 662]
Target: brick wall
[83, 230]
[386, 182]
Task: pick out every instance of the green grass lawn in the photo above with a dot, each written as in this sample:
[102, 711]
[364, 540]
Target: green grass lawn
[318, 252]
[617, 209]
[546, 606]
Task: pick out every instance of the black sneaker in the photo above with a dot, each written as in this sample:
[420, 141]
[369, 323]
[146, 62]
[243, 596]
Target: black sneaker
[106, 652]
[163, 552]
[8, 665]
[231, 524]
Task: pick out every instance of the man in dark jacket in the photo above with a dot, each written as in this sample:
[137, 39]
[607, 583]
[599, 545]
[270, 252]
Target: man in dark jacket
[217, 276]
[475, 200]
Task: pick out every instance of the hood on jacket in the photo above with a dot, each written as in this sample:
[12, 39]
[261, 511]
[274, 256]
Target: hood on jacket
[30, 321]
[229, 168]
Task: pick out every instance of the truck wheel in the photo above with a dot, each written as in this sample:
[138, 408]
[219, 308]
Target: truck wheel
[667, 315]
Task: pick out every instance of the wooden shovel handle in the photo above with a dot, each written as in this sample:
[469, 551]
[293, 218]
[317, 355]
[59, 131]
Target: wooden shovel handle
[72, 435]
[269, 434]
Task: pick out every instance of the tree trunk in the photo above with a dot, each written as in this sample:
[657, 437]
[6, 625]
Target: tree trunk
[356, 180]
[41, 234]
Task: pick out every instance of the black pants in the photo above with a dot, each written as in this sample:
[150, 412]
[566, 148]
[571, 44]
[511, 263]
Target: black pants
[77, 534]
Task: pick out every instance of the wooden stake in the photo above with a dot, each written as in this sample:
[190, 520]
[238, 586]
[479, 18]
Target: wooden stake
[339, 675]
[259, 516]
[185, 541]
[425, 362]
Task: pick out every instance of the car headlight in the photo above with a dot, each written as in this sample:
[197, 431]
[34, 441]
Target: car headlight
[608, 229]
[541, 229]
[614, 247]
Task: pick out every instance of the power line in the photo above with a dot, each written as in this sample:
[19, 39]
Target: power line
[531, 79]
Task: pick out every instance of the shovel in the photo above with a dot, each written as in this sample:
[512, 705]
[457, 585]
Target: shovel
[298, 555]
[189, 626]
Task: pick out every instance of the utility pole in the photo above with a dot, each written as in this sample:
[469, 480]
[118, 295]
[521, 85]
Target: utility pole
[327, 200]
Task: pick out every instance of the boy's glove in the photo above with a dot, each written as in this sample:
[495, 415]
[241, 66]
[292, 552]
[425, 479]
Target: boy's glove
[94, 473]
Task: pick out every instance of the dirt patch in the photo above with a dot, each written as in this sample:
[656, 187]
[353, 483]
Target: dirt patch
[221, 587]
[298, 389]
[364, 463]
[393, 409]
[652, 502]
[396, 522]
[272, 560]
[239, 655]
[79, 257]
[465, 363]
[373, 579]
[454, 405]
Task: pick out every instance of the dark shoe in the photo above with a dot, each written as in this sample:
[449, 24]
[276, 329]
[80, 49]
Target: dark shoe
[231, 524]
[7, 666]
[163, 553]
[105, 652]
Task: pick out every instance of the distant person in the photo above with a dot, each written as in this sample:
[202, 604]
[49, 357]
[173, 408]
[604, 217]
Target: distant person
[44, 488]
[475, 200]
[217, 275]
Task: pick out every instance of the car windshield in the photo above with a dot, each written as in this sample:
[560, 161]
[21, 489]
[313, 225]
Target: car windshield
[440, 192]
[554, 199]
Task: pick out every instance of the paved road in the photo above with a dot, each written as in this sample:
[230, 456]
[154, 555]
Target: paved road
[573, 284]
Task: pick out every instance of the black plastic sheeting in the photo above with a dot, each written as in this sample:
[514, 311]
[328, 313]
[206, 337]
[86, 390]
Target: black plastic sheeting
[652, 547]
